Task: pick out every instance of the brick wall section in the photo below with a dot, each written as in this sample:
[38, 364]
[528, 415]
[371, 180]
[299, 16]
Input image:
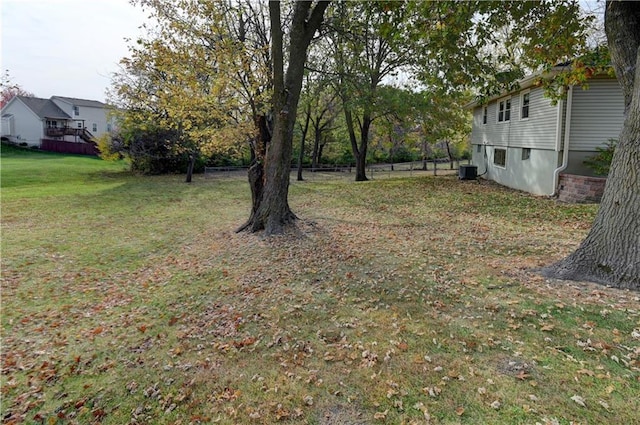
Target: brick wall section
[580, 189]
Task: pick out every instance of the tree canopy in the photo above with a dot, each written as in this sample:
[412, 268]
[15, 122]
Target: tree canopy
[218, 73]
[205, 68]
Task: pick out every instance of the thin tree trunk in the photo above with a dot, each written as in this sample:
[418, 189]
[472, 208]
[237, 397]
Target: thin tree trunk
[192, 162]
[449, 155]
[391, 151]
[610, 254]
[361, 161]
[304, 136]
[316, 145]
[359, 152]
[425, 156]
[320, 149]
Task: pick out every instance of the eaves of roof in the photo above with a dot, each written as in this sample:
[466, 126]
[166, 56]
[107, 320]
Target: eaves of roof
[81, 102]
[524, 83]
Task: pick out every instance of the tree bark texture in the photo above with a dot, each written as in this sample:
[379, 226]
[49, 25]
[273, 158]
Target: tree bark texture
[272, 211]
[610, 254]
[256, 169]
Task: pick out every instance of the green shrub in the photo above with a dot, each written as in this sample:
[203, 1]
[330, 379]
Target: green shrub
[107, 148]
[601, 161]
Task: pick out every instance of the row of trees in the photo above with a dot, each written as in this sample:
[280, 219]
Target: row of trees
[212, 73]
[225, 73]
[193, 88]
[405, 125]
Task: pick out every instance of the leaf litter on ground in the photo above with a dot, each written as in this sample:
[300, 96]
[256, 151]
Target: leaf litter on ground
[402, 300]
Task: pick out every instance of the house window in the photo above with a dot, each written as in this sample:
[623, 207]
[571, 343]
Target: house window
[94, 128]
[478, 148]
[108, 126]
[485, 114]
[504, 110]
[500, 157]
[526, 153]
[52, 124]
[524, 108]
[79, 124]
[76, 111]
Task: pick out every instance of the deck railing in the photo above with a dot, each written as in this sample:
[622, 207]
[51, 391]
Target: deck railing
[83, 133]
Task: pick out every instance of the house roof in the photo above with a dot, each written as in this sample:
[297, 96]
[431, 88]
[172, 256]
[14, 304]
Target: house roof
[43, 108]
[81, 102]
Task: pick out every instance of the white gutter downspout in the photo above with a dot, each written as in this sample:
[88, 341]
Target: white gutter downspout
[567, 129]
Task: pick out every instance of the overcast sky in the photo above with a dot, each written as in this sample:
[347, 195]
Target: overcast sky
[66, 47]
[71, 47]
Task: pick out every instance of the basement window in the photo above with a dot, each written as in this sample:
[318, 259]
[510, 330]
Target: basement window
[500, 157]
[526, 153]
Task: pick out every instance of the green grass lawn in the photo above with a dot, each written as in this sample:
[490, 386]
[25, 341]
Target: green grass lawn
[408, 299]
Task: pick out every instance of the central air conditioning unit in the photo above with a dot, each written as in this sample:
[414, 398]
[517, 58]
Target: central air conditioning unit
[468, 172]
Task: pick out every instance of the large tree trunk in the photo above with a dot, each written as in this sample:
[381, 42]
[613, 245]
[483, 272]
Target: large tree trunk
[256, 169]
[361, 165]
[271, 210]
[610, 254]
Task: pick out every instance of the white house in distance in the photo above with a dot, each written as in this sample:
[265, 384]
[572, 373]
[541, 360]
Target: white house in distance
[523, 141]
[31, 120]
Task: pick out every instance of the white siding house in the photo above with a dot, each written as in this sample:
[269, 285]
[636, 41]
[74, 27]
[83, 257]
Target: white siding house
[21, 123]
[520, 139]
[89, 114]
[29, 120]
